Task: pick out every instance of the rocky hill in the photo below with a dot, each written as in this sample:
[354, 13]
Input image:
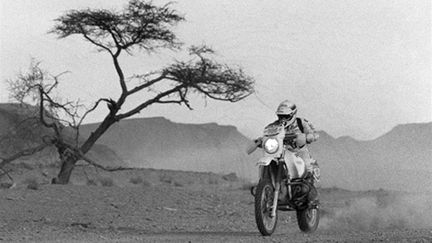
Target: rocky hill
[162, 144]
[399, 159]
[21, 129]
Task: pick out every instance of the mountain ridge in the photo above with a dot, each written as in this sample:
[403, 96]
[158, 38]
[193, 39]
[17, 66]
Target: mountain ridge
[400, 159]
[345, 161]
[321, 132]
[20, 128]
[162, 144]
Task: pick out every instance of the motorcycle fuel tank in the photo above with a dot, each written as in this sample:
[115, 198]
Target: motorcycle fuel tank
[296, 165]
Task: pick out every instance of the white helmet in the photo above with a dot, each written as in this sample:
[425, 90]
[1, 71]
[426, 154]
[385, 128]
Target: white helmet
[287, 112]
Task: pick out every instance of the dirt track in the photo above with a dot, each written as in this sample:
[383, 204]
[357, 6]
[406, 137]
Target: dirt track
[166, 213]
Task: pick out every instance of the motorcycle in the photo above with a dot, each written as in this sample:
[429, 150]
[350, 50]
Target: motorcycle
[284, 182]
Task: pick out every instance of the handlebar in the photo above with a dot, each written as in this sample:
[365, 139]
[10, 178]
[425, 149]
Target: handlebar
[290, 136]
[258, 142]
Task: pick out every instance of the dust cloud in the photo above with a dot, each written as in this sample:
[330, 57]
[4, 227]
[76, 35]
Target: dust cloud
[378, 212]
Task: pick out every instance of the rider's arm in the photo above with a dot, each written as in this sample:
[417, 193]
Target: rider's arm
[309, 130]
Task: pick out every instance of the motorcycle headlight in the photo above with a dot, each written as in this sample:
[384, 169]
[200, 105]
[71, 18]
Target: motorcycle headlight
[271, 145]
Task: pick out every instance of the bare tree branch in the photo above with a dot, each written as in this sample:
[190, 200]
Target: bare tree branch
[106, 168]
[121, 78]
[97, 44]
[146, 84]
[143, 105]
[90, 110]
[20, 154]
[7, 174]
[82, 156]
[42, 111]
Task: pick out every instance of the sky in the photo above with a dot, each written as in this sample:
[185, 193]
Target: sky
[354, 68]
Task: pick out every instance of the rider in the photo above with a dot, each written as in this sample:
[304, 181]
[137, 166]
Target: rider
[306, 134]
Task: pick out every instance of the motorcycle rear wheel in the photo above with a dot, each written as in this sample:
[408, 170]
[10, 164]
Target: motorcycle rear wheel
[308, 219]
[264, 196]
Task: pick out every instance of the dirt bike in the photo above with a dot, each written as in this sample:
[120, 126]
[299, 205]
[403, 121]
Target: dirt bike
[284, 183]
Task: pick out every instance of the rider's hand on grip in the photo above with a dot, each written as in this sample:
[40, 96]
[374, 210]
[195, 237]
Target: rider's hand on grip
[258, 142]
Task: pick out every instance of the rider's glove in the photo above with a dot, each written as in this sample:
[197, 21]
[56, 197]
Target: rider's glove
[258, 142]
[311, 137]
[301, 140]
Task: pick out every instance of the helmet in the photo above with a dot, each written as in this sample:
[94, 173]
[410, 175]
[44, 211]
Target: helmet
[287, 112]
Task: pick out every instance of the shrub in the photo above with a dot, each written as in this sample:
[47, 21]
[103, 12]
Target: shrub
[146, 183]
[32, 183]
[230, 177]
[6, 185]
[136, 180]
[213, 180]
[166, 178]
[179, 184]
[106, 181]
[91, 182]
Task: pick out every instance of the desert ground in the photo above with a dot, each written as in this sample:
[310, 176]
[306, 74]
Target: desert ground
[149, 205]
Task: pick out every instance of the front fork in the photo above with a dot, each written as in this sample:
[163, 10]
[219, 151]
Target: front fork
[277, 182]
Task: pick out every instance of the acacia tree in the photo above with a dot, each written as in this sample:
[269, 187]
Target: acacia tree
[138, 26]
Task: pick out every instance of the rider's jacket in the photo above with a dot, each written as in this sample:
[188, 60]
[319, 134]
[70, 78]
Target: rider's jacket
[300, 126]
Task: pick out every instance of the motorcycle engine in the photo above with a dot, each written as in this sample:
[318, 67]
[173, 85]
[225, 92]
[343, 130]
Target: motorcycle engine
[303, 193]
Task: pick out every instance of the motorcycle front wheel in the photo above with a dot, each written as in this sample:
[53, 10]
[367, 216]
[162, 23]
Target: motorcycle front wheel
[264, 196]
[308, 219]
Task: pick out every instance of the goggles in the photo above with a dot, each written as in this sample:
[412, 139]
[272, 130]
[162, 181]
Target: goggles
[286, 117]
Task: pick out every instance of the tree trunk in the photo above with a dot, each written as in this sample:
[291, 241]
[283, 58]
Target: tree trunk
[69, 161]
[67, 167]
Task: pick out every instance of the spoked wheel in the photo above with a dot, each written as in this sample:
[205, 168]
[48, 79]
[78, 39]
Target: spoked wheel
[264, 197]
[308, 219]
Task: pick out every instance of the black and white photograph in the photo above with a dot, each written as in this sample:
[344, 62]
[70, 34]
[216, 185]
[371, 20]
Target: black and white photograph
[215, 121]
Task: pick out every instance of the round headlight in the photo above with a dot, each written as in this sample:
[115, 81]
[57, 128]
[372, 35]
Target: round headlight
[271, 145]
